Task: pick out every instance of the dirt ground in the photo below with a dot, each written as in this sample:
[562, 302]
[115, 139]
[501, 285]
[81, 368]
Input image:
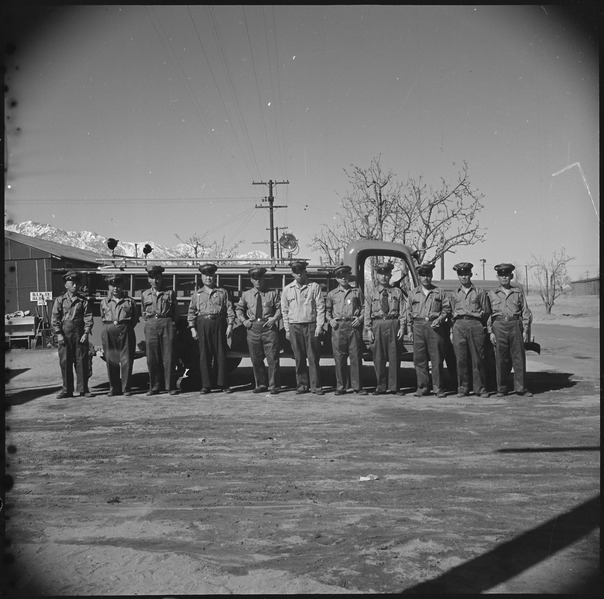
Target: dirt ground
[259, 494]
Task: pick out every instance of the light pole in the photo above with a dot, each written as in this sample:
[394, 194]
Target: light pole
[526, 278]
[483, 263]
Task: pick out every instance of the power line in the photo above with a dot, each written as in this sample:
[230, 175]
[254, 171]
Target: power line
[125, 200]
[271, 207]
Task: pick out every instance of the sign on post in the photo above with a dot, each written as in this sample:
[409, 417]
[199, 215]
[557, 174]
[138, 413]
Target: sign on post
[41, 297]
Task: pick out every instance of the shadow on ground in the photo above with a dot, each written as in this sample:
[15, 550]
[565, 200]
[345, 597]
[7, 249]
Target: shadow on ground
[521, 553]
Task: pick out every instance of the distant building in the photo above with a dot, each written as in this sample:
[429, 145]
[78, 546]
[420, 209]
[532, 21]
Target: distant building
[34, 265]
[585, 286]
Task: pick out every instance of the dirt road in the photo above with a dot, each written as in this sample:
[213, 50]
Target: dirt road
[261, 494]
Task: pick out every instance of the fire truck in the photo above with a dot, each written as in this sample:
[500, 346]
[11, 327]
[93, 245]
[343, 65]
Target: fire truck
[183, 276]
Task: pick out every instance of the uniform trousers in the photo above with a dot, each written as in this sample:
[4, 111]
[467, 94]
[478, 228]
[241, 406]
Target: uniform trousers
[73, 354]
[119, 343]
[264, 343]
[385, 349]
[428, 345]
[159, 347]
[509, 353]
[307, 353]
[212, 351]
[347, 344]
[469, 344]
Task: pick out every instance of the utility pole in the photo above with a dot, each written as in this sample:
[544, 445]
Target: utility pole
[271, 208]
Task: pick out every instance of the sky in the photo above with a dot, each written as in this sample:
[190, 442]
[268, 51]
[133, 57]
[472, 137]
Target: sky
[156, 123]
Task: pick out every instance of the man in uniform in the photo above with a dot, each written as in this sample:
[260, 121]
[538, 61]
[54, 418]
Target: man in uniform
[71, 321]
[211, 318]
[344, 313]
[158, 307]
[119, 315]
[427, 310]
[385, 323]
[303, 312]
[508, 326]
[259, 310]
[470, 309]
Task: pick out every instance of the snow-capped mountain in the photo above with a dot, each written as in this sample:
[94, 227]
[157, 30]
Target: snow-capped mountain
[86, 240]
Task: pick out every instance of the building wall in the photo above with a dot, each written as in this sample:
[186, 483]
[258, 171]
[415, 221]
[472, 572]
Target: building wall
[28, 269]
[585, 287]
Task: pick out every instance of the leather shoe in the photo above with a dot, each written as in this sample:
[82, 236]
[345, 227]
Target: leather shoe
[441, 394]
[420, 393]
[377, 392]
[485, 394]
[227, 390]
[461, 394]
[260, 389]
[361, 392]
[301, 390]
[319, 392]
[85, 394]
[274, 391]
[501, 394]
[152, 392]
[127, 393]
[206, 390]
[63, 395]
[174, 392]
[340, 392]
[113, 393]
[525, 393]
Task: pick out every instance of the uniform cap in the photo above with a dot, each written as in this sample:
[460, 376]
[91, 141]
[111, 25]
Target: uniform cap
[342, 270]
[257, 271]
[384, 267]
[463, 266]
[71, 276]
[155, 270]
[504, 268]
[208, 268]
[425, 269]
[298, 265]
[113, 279]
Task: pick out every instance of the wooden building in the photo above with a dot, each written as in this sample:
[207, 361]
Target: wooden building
[33, 265]
[589, 286]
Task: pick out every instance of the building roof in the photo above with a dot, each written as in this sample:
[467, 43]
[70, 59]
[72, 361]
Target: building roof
[56, 249]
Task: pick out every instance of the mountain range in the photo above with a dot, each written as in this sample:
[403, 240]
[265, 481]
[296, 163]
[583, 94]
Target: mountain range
[93, 242]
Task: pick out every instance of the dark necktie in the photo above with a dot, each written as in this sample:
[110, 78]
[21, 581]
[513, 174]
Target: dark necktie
[385, 307]
[258, 306]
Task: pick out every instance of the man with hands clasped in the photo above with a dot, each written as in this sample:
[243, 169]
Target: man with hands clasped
[259, 310]
[211, 318]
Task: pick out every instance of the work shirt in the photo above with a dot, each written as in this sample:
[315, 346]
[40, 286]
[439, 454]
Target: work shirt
[159, 303]
[511, 306]
[473, 303]
[119, 310]
[431, 304]
[71, 306]
[246, 306]
[397, 307]
[210, 301]
[344, 303]
[302, 304]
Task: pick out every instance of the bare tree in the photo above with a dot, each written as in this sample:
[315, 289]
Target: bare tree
[551, 277]
[434, 220]
[200, 249]
[370, 210]
[443, 218]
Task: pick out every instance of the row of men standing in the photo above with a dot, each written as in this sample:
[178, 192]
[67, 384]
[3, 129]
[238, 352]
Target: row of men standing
[387, 314]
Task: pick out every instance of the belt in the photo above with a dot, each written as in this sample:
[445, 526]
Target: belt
[506, 317]
[116, 321]
[209, 316]
[344, 319]
[258, 319]
[157, 316]
[467, 318]
[425, 319]
[386, 317]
